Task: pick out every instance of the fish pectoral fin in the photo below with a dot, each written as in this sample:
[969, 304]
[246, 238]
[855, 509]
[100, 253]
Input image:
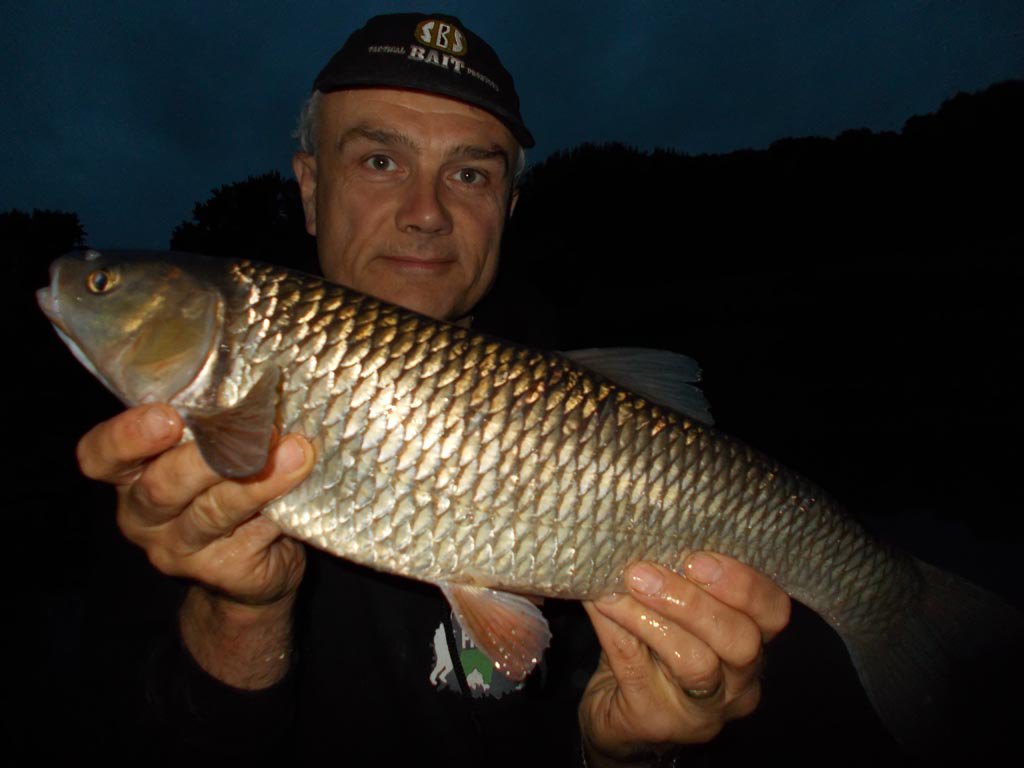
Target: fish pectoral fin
[235, 441]
[509, 628]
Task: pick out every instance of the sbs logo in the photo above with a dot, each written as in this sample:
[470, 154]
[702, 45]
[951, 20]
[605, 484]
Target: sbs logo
[441, 35]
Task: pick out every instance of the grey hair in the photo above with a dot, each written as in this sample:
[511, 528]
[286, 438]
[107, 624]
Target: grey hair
[305, 131]
[306, 134]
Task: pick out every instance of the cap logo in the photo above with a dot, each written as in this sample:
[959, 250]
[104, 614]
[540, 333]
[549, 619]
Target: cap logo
[442, 35]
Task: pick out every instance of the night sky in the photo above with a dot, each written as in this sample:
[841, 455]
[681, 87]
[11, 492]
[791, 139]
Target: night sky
[129, 112]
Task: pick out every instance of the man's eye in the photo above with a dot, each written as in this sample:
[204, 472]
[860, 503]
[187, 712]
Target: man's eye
[470, 176]
[381, 163]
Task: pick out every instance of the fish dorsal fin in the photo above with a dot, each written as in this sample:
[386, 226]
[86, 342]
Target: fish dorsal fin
[663, 377]
[235, 441]
[508, 628]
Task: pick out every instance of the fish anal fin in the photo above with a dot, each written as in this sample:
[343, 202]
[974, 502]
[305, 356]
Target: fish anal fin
[509, 628]
[235, 441]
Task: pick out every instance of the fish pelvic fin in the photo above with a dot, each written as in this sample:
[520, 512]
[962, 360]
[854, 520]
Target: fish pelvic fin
[508, 628]
[946, 679]
[235, 441]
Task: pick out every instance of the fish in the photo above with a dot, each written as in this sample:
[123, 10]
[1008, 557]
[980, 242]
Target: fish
[497, 471]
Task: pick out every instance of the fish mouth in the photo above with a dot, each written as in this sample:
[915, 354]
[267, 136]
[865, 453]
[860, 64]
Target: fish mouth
[49, 303]
[46, 298]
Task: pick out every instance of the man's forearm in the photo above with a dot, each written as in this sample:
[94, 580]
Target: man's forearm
[244, 646]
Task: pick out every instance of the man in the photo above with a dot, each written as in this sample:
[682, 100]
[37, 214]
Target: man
[407, 180]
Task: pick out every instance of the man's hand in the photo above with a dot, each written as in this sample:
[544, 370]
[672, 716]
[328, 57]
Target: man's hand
[681, 656]
[194, 524]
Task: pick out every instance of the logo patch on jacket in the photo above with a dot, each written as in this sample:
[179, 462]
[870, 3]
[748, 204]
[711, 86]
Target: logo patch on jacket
[475, 668]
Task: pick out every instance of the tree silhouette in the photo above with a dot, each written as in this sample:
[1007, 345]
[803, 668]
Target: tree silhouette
[259, 218]
[664, 222]
[30, 241]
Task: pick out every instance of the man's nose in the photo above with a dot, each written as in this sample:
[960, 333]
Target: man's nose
[423, 209]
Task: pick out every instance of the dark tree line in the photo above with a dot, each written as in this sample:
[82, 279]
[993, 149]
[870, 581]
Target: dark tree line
[259, 218]
[948, 186]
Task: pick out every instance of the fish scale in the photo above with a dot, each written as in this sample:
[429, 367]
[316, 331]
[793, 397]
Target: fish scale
[487, 468]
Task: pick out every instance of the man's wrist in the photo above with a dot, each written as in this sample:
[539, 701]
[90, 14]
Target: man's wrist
[593, 757]
[242, 645]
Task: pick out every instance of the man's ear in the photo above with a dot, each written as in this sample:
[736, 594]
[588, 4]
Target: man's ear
[513, 199]
[304, 168]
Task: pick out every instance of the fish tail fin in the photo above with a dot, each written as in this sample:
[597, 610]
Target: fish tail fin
[947, 679]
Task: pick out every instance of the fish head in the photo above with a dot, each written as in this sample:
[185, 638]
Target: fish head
[143, 324]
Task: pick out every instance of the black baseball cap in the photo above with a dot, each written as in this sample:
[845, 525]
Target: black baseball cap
[426, 52]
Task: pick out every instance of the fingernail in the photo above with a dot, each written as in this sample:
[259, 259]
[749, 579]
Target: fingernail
[645, 579]
[290, 455]
[703, 568]
[156, 425]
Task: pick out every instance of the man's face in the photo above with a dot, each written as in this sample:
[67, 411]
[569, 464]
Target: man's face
[407, 197]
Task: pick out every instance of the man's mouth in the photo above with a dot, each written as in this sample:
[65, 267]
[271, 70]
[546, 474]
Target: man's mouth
[405, 261]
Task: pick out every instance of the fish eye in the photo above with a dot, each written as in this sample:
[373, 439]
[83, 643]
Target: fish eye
[101, 281]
